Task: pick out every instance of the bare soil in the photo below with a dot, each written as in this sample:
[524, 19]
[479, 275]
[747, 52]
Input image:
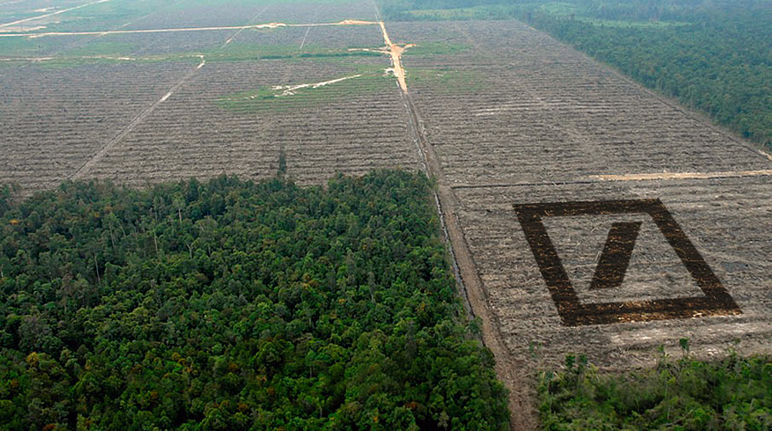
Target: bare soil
[534, 122]
[549, 125]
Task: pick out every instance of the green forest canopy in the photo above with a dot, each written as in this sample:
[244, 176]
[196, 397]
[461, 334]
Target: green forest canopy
[712, 55]
[230, 305]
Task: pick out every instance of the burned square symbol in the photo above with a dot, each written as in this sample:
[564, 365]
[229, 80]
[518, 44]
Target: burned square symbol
[613, 263]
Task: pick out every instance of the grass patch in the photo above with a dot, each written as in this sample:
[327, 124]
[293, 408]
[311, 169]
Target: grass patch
[267, 98]
[435, 48]
[19, 46]
[249, 52]
[446, 80]
[118, 49]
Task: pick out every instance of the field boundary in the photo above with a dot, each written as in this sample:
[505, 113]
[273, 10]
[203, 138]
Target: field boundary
[510, 372]
[239, 28]
[99, 155]
[757, 149]
[59, 12]
[134, 123]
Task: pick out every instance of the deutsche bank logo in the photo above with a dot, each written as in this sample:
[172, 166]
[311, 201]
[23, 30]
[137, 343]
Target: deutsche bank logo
[613, 263]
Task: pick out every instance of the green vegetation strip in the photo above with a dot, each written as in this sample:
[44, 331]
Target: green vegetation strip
[113, 53]
[447, 80]
[683, 395]
[362, 81]
[231, 305]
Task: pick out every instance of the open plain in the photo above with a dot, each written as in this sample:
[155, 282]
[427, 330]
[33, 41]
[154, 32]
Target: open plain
[503, 116]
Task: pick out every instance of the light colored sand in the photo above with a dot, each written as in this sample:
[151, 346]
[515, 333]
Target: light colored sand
[682, 175]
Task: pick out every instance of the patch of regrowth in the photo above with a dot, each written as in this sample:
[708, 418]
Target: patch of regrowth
[435, 48]
[21, 46]
[251, 51]
[684, 394]
[446, 80]
[299, 95]
[116, 49]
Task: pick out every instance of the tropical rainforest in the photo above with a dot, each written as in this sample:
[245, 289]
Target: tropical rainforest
[712, 55]
[231, 305]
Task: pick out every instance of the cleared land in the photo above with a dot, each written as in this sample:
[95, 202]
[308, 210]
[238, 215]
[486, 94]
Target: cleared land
[532, 121]
[212, 112]
[501, 114]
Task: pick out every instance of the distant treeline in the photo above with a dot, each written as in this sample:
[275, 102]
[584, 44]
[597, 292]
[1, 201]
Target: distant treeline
[231, 305]
[712, 55]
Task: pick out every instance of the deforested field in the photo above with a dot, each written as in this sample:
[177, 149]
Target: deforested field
[586, 214]
[522, 120]
[139, 108]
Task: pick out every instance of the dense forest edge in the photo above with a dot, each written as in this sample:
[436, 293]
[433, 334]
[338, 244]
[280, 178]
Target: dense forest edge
[711, 55]
[233, 305]
[684, 394]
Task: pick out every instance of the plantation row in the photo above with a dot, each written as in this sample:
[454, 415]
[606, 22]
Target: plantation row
[711, 56]
[728, 233]
[211, 125]
[55, 120]
[153, 14]
[221, 118]
[540, 120]
[529, 109]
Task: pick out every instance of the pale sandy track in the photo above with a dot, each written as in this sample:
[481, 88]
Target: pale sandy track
[682, 175]
[510, 372]
[10, 2]
[270, 25]
[289, 90]
[396, 57]
[94, 160]
[308, 30]
[35, 18]
[235, 35]
[305, 36]
[84, 169]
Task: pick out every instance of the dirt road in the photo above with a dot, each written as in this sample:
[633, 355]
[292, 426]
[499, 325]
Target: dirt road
[510, 371]
[270, 25]
[47, 15]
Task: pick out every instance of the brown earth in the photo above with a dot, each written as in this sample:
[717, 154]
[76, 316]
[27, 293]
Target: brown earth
[525, 120]
[551, 125]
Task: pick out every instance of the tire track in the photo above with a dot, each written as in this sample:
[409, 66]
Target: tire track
[96, 158]
[303, 42]
[34, 18]
[271, 25]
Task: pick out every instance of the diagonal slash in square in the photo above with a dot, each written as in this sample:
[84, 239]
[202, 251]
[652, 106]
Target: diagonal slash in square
[613, 264]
